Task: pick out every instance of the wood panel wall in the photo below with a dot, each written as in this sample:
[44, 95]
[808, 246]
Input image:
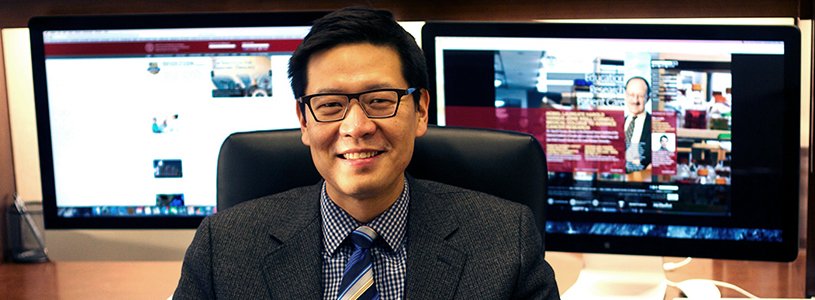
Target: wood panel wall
[6, 163]
[15, 13]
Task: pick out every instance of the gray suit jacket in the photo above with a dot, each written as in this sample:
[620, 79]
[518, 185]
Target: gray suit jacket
[461, 245]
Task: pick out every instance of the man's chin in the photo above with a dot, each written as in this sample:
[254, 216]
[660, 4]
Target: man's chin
[358, 187]
[362, 187]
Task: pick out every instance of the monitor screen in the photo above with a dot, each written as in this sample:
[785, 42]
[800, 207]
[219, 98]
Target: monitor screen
[667, 140]
[132, 110]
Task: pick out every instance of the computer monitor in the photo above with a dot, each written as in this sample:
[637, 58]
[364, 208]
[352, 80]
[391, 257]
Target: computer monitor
[132, 110]
[708, 168]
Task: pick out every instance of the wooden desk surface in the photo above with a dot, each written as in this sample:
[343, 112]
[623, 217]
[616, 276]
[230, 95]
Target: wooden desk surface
[157, 280]
[89, 280]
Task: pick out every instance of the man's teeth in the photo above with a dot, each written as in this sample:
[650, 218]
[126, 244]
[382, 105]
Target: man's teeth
[359, 155]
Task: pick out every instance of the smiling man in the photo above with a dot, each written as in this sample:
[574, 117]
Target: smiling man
[367, 230]
[363, 156]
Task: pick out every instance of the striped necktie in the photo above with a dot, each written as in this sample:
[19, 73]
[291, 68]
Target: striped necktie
[358, 278]
[629, 132]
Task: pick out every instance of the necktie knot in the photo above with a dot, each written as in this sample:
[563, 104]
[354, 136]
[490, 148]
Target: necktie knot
[363, 237]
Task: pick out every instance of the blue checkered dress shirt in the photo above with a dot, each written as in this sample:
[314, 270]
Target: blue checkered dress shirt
[389, 251]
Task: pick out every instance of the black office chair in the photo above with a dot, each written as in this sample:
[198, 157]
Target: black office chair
[506, 164]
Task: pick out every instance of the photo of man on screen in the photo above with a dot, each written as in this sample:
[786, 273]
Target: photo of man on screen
[637, 127]
[663, 143]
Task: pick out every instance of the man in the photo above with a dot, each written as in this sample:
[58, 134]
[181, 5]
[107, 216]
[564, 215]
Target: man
[663, 143]
[637, 127]
[361, 84]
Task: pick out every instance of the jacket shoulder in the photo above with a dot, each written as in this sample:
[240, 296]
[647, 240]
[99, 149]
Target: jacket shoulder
[456, 196]
[269, 208]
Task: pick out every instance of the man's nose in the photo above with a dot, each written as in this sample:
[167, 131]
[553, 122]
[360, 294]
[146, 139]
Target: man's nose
[356, 122]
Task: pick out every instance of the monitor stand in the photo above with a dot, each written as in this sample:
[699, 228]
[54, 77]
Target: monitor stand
[611, 276]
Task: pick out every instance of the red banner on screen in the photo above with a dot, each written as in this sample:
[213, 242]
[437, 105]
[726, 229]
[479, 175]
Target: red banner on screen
[171, 47]
[574, 140]
[663, 142]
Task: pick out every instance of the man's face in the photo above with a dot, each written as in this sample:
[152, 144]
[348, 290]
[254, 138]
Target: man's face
[359, 157]
[663, 141]
[635, 96]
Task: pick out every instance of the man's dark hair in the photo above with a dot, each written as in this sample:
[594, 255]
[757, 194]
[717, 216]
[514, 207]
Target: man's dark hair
[647, 86]
[355, 25]
[664, 136]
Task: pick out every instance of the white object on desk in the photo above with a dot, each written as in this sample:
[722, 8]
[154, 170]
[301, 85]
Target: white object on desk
[608, 276]
[697, 289]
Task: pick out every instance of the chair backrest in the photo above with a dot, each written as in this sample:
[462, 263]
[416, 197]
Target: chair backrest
[506, 164]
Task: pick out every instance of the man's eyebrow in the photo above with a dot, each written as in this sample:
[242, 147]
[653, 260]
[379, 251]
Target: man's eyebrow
[328, 91]
[367, 88]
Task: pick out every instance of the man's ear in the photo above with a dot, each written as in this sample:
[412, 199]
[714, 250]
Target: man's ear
[303, 125]
[422, 113]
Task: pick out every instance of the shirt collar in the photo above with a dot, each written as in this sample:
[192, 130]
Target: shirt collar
[639, 115]
[338, 224]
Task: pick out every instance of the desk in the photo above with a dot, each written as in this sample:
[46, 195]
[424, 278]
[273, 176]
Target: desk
[157, 280]
[89, 280]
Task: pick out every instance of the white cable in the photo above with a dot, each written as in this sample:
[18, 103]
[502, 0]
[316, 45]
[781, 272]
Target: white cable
[670, 266]
[735, 288]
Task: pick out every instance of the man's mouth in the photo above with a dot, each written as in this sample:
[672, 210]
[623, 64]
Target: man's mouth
[359, 155]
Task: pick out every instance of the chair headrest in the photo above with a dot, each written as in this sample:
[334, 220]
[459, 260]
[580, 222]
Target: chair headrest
[506, 164]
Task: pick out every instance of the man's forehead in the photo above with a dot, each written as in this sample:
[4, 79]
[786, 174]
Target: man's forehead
[369, 87]
[361, 65]
[341, 45]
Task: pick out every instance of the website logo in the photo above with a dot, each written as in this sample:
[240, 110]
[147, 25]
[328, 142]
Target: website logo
[153, 68]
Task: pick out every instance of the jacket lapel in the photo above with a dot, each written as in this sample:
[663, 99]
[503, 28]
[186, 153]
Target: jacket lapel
[293, 265]
[434, 265]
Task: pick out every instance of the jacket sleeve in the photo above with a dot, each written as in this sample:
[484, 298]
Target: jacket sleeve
[536, 278]
[646, 142]
[196, 271]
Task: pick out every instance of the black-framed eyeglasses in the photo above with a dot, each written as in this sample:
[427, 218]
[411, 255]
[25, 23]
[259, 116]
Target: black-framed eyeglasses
[377, 104]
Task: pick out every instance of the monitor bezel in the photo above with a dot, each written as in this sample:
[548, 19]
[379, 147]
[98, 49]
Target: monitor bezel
[784, 251]
[38, 25]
